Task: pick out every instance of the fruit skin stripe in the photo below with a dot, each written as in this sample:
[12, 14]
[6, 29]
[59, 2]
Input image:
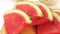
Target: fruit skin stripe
[57, 11]
[56, 15]
[32, 4]
[50, 16]
[19, 12]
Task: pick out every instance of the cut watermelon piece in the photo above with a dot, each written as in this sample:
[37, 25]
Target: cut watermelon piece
[50, 28]
[46, 11]
[15, 21]
[47, 15]
[31, 9]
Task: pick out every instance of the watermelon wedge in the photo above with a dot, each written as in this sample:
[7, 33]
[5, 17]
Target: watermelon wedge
[15, 21]
[50, 28]
[46, 12]
[31, 9]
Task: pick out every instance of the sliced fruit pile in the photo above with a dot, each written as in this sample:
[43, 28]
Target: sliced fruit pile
[32, 18]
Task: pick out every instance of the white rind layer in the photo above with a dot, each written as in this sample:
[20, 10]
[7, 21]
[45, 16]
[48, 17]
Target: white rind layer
[27, 18]
[50, 17]
[39, 12]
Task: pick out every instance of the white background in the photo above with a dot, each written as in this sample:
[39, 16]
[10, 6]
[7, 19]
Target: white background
[4, 6]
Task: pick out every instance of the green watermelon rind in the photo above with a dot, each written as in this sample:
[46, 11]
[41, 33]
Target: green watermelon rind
[27, 18]
[33, 5]
[56, 15]
[50, 16]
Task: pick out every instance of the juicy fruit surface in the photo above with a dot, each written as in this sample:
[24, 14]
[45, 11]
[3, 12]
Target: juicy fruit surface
[50, 28]
[46, 11]
[40, 21]
[48, 17]
[14, 23]
[27, 18]
[28, 30]
[32, 10]
[28, 9]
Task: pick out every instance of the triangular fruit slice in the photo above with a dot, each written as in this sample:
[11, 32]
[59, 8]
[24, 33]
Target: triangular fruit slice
[46, 12]
[31, 9]
[15, 21]
[28, 30]
[56, 17]
[50, 28]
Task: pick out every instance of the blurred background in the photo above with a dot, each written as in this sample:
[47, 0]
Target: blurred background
[5, 5]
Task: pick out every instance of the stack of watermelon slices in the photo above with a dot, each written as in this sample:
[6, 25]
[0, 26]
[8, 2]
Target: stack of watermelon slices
[29, 16]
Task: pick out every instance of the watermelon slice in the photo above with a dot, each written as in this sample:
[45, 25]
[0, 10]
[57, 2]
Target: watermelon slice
[46, 11]
[28, 30]
[31, 9]
[47, 14]
[50, 28]
[15, 21]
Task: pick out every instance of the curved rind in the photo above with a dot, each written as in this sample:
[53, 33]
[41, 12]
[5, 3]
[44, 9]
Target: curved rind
[56, 15]
[27, 18]
[39, 12]
[50, 17]
[57, 11]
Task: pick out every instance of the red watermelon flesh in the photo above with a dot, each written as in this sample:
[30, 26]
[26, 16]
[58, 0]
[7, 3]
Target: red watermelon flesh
[14, 23]
[40, 21]
[47, 15]
[49, 28]
[45, 10]
[29, 9]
